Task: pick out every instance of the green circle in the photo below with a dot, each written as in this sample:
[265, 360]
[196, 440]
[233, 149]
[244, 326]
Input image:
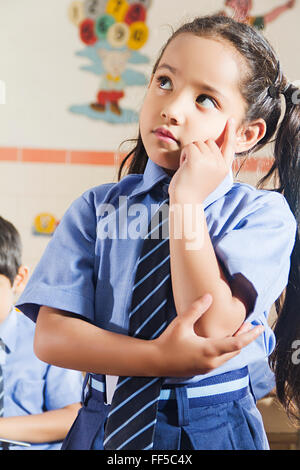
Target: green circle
[103, 24]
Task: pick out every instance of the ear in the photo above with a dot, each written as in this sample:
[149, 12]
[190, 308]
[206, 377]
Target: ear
[249, 134]
[21, 279]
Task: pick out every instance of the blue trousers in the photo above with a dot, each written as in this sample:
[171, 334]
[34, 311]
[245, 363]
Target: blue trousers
[232, 425]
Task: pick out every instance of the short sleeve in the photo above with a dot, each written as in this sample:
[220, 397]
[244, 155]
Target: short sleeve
[64, 277]
[256, 251]
[62, 387]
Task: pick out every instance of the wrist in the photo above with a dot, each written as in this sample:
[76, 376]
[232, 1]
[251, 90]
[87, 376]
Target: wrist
[156, 360]
[186, 198]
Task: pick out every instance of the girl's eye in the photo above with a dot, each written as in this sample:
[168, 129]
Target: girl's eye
[164, 83]
[206, 101]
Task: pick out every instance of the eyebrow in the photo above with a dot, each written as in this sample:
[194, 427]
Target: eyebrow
[204, 86]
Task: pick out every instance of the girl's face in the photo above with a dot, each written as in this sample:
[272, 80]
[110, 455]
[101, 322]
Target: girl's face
[192, 94]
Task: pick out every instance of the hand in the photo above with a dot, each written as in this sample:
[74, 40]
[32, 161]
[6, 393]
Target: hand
[203, 166]
[290, 4]
[185, 354]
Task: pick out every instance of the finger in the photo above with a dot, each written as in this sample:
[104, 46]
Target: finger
[232, 344]
[201, 145]
[246, 326]
[197, 308]
[190, 151]
[228, 146]
[183, 157]
[212, 145]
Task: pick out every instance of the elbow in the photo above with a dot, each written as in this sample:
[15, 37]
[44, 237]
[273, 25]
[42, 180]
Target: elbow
[47, 337]
[41, 345]
[221, 321]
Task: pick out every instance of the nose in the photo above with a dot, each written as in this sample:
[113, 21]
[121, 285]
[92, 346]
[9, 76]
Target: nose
[174, 111]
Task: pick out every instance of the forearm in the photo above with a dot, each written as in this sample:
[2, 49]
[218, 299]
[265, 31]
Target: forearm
[73, 343]
[274, 14]
[195, 271]
[49, 426]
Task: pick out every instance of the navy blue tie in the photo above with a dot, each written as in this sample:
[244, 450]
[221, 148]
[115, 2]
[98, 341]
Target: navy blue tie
[133, 414]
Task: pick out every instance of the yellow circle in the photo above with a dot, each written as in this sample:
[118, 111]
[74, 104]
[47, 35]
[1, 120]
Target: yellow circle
[45, 223]
[138, 35]
[117, 8]
[76, 12]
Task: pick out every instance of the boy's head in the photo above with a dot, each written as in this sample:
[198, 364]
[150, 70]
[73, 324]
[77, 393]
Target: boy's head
[13, 276]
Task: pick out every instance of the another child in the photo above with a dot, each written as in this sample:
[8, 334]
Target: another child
[211, 70]
[41, 401]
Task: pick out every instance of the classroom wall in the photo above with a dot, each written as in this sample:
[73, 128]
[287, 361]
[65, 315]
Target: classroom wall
[48, 155]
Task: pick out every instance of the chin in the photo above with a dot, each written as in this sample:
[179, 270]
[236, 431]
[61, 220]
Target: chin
[169, 162]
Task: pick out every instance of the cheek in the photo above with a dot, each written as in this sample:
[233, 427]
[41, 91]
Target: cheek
[145, 116]
[5, 305]
[208, 129]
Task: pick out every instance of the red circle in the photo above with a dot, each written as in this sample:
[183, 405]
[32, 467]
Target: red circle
[136, 12]
[87, 32]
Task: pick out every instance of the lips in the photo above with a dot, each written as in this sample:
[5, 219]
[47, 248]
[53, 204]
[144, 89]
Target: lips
[165, 134]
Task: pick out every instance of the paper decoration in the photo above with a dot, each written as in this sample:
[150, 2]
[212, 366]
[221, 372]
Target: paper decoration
[113, 32]
[45, 224]
[240, 10]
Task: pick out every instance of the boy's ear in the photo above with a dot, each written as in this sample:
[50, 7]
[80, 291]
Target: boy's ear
[249, 134]
[21, 279]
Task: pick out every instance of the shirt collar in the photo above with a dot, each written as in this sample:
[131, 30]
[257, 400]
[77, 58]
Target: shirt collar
[8, 330]
[154, 174]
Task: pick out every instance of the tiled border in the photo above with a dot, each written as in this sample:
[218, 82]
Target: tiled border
[80, 157]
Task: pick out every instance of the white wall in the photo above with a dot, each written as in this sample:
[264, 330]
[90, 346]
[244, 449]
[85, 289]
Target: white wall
[43, 76]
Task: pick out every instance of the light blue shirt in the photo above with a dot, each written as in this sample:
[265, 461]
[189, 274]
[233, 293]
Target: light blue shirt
[32, 386]
[252, 231]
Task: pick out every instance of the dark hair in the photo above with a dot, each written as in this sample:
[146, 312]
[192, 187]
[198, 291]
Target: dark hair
[261, 71]
[10, 250]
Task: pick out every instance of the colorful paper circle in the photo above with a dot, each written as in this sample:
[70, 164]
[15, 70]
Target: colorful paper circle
[118, 35]
[136, 12]
[87, 32]
[45, 224]
[94, 8]
[145, 3]
[117, 8]
[76, 12]
[103, 24]
[138, 35]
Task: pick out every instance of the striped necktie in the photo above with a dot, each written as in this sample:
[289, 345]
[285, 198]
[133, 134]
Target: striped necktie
[133, 414]
[2, 360]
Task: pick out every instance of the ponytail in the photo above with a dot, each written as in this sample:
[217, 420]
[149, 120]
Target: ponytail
[284, 360]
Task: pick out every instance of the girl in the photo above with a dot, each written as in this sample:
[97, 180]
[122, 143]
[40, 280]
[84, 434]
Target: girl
[214, 92]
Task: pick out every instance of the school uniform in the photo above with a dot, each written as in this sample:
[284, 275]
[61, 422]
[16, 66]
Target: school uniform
[88, 268]
[30, 385]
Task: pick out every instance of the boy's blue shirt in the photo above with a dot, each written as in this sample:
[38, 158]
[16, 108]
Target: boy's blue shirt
[252, 231]
[32, 386]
